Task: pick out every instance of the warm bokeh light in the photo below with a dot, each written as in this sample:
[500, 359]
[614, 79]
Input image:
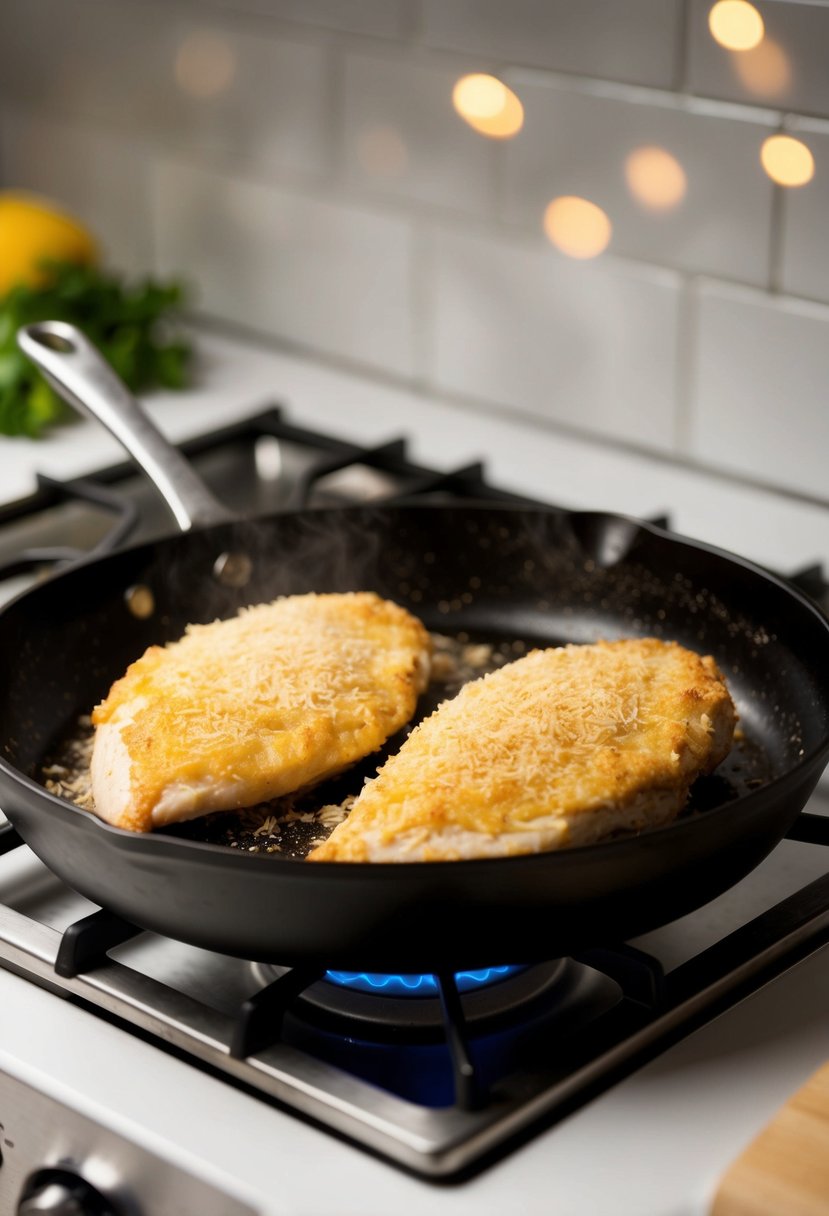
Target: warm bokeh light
[577, 227]
[382, 152]
[488, 106]
[765, 71]
[655, 178]
[736, 25]
[205, 65]
[787, 161]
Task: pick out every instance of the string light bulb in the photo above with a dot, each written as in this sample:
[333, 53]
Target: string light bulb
[787, 161]
[577, 227]
[655, 178]
[736, 25]
[488, 105]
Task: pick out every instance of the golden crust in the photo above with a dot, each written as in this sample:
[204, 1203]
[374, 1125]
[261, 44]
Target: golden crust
[239, 711]
[561, 747]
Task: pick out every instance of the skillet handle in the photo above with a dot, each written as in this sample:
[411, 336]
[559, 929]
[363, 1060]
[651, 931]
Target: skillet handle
[80, 374]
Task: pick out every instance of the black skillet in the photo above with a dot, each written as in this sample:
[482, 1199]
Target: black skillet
[545, 577]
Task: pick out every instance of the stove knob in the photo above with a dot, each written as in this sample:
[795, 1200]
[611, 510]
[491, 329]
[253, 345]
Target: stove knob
[61, 1193]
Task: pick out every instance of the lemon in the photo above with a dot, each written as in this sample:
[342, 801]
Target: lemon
[34, 231]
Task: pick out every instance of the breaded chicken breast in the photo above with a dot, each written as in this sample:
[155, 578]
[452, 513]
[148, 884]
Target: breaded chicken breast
[272, 701]
[560, 748]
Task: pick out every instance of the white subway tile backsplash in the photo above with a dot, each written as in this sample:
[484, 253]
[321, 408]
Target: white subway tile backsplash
[282, 154]
[593, 346]
[383, 18]
[787, 70]
[102, 179]
[329, 277]
[759, 403]
[634, 41]
[273, 113]
[404, 139]
[89, 59]
[577, 141]
[172, 76]
[805, 211]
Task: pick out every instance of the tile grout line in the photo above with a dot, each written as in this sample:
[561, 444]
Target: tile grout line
[152, 169]
[273, 26]
[682, 49]
[335, 89]
[776, 240]
[414, 23]
[687, 349]
[5, 135]
[422, 328]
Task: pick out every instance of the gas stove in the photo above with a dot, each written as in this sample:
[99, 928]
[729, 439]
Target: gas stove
[444, 1075]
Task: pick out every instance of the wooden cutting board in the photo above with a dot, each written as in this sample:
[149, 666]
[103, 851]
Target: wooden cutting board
[785, 1170]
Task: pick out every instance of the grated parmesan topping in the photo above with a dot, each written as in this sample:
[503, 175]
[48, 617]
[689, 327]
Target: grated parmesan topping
[267, 702]
[281, 825]
[560, 732]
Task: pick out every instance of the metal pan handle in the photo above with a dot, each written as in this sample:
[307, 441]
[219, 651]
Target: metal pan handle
[77, 370]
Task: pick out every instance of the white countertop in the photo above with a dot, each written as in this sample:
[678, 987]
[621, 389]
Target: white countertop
[237, 378]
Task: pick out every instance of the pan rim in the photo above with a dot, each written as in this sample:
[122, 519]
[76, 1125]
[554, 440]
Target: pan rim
[140, 840]
[415, 506]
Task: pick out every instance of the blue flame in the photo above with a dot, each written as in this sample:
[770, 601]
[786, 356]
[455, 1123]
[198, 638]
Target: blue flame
[416, 985]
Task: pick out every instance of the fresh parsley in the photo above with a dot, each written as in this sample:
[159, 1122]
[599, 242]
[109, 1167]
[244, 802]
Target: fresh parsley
[129, 323]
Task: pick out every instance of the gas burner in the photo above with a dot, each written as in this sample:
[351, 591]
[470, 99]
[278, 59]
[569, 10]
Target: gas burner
[378, 1006]
[416, 985]
[410, 1007]
[402, 1043]
[421, 1016]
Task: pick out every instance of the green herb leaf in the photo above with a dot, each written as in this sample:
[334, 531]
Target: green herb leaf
[130, 325]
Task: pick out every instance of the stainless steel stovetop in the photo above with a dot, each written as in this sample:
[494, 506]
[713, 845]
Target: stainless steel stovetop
[450, 1084]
